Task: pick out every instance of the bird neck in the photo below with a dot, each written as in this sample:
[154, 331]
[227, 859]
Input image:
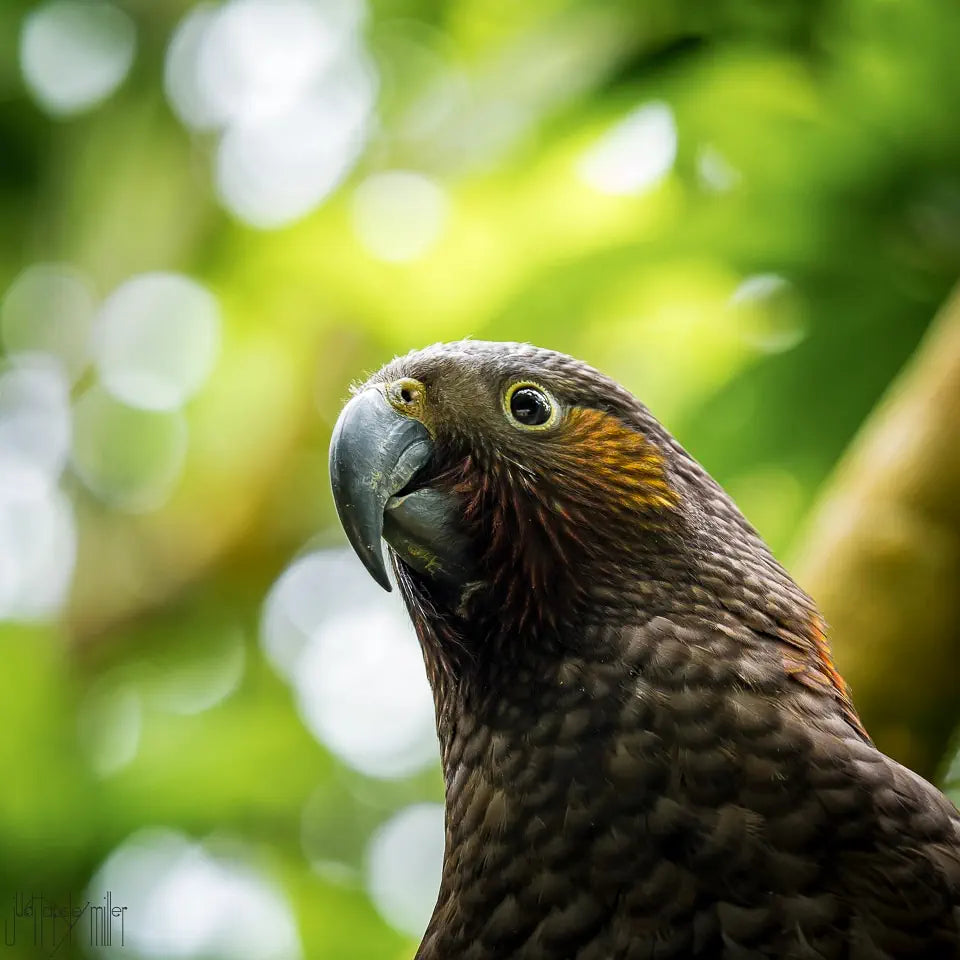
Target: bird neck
[516, 757]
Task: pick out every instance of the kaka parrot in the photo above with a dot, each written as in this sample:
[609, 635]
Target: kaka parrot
[646, 748]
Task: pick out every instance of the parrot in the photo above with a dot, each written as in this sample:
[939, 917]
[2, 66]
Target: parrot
[646, 748]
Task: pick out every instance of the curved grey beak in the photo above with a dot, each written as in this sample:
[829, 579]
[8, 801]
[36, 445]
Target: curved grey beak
[374, 453]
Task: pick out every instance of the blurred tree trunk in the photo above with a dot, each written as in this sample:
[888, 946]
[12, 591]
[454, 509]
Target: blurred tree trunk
[882, 555]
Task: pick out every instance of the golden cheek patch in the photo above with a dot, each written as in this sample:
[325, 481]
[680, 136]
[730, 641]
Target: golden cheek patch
[599, 449]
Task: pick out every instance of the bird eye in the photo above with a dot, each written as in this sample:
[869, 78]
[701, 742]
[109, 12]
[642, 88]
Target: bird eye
[531, 406]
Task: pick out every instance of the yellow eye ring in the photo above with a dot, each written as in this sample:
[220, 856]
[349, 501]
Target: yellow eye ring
[530, 406]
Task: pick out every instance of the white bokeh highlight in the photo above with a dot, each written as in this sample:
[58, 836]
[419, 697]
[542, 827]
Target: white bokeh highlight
[290, 89]
[404, 863]
[207, 679]
[35, 425]
[399, 215]
[186, 90]
[362, 690]
[156, 340]
[349, 651]
[48, 311]
[272, 170]
[186, 900]
[758, 288]
[635, 154]
[38, 540]
[75, 53]
[130, 459]
[304, 594]
[38, 552]
[767, 313]
[715, 172]
[110, 722]
[261, 56]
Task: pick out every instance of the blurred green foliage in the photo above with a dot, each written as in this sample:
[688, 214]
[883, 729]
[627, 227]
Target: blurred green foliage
[818, 150]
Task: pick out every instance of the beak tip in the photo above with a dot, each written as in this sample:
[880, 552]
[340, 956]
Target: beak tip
[380, 575]
[370, 551]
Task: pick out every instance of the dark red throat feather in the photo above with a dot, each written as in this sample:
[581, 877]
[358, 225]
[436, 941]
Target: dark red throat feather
[594, 494]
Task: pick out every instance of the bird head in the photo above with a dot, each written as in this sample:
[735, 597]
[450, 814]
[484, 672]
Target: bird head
[518, 482]
[527, 498]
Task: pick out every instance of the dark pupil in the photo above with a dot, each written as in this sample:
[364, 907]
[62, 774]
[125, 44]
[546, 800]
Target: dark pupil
[530, 407]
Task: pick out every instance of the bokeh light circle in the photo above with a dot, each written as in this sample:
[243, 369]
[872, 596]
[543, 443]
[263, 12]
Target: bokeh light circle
[210, 675]
[349, 651]
[181, 77]
[35, 425]
[74, 54]
[110, 721]
[768, 313]
[38, 540]
[49, 309]
[635, 154]
[291, 89]
[714, 170]
[38, 550]
[260, 56]
[404, 863]
[312, 587]
[128, 458]
[273, 170]
[399, 215]
[363, 692]
[156, 340]
[188, 900]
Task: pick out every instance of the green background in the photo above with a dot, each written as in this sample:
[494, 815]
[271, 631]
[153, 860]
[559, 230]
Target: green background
[838, 126]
